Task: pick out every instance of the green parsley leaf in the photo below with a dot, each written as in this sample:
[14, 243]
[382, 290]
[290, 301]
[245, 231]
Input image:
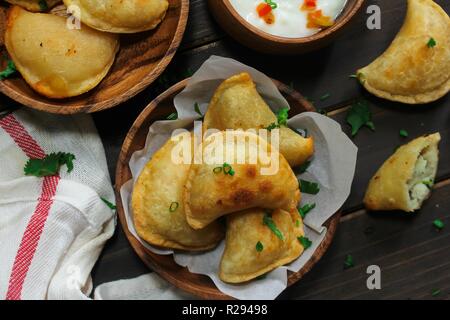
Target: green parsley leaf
[197, 110]
[438, 224]
[272, 4]
[305, 242]
[429, 183]
[272, 126]
[297, 223]
[49, 165]
[431, 43]
[9, 70]
[348, 263]
[109, 204]
[303, 211]
[282, 116]
[43, 5]
[302, 168]
[268, 221]
[172, 116]
[259, 246]
[435, 292]
[309, 187]
[325, 97]
[358, 116]
[404, 133]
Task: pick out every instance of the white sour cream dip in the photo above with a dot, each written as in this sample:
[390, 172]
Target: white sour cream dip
[289, 19]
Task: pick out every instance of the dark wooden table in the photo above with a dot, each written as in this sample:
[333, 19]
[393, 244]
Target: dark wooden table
[413, 256]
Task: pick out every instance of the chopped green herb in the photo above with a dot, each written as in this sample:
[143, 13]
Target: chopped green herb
[309, 187]
[359, 115]
[438, 224]
[188, 73]
[348, 263]
[217, 170]
[272, 126]
[109, 204]
[302, 168]
[297, 223]
[9, 70]
[227, 169]
[303, 211]
[49, 165]
[174, 206]
[325, 97]
[259, 246]
[272, 4]
[282, 116]
[172, 116]
[435, 292]
[305, 242]
[404, 133]
[353, 76]
[428, 183]
[268, 221]
[261, 277]
[431, 43]
[43, 5]
[197, 110]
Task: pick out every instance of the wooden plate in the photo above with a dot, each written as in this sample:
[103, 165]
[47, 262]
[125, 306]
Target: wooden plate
[141, 59]
[248, 35]
[165, 266]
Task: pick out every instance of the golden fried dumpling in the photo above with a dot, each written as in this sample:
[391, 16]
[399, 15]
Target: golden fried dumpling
[415, 68]
[237, 104]
[54, 60]
[157, 203]
[35, 5]
[253, 249]
[121, 16]
[404, 181]
[237, 170]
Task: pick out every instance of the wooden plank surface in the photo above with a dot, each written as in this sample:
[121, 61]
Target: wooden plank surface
[412, 255]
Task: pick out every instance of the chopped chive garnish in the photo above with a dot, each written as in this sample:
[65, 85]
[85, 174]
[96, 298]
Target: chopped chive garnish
[197, 110]
[354, 76]
[305, 242]
[428, 183]
[435, 292]
[268, 221]
[174, 206]
[297, 223]
[303, 211]
[302, 168]
[272, 4]
[217, 170]
[438, 224]
[272, 126]
[404, 133]
[227, 169]
[309, 187]
[348, 263]
[282, 116]
[431, 43]
[261, 277]
[325, 97]
[109, 204]
[172, 116]
[259, 246]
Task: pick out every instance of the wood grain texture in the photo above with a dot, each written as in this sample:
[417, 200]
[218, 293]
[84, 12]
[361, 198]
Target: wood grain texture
[245, 33]
[141, 59]
[165, 266]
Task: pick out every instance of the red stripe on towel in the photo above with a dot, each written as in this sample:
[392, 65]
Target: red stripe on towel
[35, 227]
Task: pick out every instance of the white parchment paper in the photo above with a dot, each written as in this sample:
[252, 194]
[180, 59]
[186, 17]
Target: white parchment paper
[333, 167]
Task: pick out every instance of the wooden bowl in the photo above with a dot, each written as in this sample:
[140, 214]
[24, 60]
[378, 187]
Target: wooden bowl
[141, 59]
[165, 266]
[245, 33]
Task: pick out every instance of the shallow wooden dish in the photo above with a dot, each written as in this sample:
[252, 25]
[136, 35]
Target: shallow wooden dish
[165, 266]
[250, 36]
[141, 59]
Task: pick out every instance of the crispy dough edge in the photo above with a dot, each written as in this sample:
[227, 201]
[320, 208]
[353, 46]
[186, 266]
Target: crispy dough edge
[104, 26]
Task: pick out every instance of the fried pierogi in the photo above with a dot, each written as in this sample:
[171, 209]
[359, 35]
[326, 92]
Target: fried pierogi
[35, 5]
[121, 16]
[405, 180]
[237, 170]
[253, 249]
[158, 209]
[236, 104]
[415, 69]
[54, 60]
